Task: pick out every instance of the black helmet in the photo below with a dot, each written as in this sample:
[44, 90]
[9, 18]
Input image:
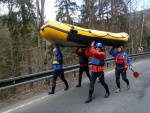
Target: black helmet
[120, 47]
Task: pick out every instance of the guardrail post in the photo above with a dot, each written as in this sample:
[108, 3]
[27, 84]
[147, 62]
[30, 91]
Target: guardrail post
[48, 81]
[74, 73]
[1, 95]
[107, 64]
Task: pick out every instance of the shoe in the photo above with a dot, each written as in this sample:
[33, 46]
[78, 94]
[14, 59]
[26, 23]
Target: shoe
[78, 85]
[66, 88]
[51, 92]
[118, 90]
[128, 87]
[106, 95]
[88, 100]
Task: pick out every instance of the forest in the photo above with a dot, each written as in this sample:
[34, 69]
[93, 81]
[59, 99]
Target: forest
[24, 51]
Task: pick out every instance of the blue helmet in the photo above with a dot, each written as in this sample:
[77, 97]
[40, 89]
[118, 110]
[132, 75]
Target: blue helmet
[99, 45]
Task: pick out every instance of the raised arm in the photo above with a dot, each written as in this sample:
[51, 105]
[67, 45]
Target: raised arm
[112, 52]
[77, 51]
[60, 57]
[87, 52]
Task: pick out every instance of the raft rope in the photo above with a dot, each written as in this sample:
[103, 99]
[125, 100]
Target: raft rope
[89, 31]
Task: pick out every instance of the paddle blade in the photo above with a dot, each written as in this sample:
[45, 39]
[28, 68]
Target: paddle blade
[136, 74]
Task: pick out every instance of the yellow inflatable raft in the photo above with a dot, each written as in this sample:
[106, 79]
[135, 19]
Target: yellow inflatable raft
[72, 36]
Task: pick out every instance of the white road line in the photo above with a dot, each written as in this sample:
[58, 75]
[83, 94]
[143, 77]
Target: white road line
[29, 103]
[109, 72]
[23, 105]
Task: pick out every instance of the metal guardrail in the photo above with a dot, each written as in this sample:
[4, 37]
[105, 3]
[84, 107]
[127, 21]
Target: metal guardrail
[25, 79]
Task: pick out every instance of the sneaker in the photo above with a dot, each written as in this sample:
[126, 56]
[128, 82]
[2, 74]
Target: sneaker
[117, 90]
[128, 87]
[106, 95]
[88, 100]
[66, 88]
[78, 85]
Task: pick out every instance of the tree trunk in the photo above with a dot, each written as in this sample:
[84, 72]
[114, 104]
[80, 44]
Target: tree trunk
[11, 56]
[130, 28]
[40, 16]
[148, 44]
[67, 11]
[90, 7]
[142, 27]
[42, 11]
[26, 42]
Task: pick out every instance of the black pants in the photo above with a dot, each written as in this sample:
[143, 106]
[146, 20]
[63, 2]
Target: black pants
[59, 73]
[124, 76]
[81, 70]
[94, 76]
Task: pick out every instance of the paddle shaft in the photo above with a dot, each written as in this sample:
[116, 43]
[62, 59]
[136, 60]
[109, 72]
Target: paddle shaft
[132, 70]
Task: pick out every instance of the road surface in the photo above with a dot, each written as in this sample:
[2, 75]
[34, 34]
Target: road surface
[135, 100]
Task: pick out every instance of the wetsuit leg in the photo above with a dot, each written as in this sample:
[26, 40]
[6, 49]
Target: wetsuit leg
[92, 82]
[124, 76]
[102, 80]
[117, 73]
[87, 72]
[61, 75]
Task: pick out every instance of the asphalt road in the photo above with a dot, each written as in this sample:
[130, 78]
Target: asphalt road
[135, 100]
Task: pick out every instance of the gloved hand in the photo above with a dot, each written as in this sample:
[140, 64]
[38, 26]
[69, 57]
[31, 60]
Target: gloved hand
[130, 67]
[93, 43]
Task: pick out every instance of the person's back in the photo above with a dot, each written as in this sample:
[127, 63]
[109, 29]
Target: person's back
[83, 59]
[84, 66]
[58, 70]
[58, 59]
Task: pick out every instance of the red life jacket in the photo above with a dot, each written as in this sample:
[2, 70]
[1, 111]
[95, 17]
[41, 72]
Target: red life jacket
[121, 60]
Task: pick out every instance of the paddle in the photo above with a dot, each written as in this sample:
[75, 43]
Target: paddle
[135, 74]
